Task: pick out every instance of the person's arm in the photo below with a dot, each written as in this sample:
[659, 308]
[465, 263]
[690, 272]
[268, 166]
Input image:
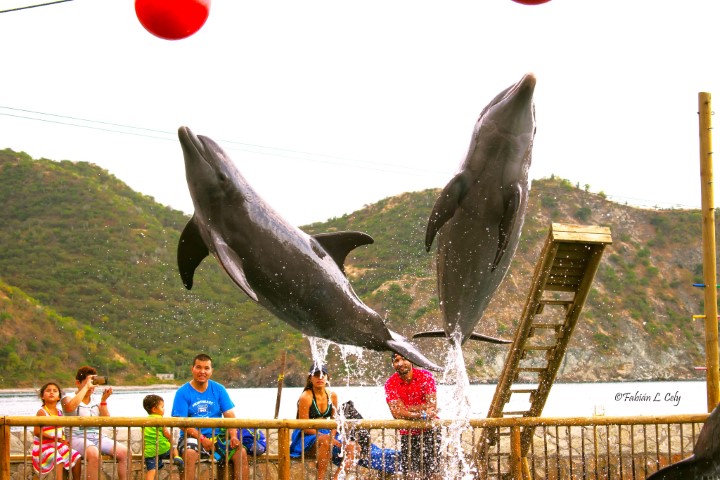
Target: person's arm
[431, 405]
[70, 404]
[232, 432]
[103, 408]
[400, 412]
[37, 431]
[334, 400]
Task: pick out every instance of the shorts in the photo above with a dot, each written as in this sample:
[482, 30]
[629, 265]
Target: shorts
[80, 442]
[192, 444]
[306, 443]
[420, 453]
[150, 462]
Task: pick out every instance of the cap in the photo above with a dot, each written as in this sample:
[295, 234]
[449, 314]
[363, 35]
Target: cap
[318, 368]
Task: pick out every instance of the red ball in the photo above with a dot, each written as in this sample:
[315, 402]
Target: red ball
[531, 2]
[172, 19]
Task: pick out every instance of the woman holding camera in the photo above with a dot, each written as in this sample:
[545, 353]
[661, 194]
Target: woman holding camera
[88, 440]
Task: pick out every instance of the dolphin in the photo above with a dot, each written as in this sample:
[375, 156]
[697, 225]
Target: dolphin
[479, 214]
[298, 277]
[705, 460]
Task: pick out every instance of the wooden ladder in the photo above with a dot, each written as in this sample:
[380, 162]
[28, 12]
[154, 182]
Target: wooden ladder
[561, 283]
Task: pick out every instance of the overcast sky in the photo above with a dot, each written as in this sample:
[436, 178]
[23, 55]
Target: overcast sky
[329, 105]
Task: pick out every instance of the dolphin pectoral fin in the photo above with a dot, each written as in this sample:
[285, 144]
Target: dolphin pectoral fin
[191, 251]
[445, 206]
[232, 265]
[400, 345]
[431, 334]
[512, 206]
[339, 244]
[485, 338]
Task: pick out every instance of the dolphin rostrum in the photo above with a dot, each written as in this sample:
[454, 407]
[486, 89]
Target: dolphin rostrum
[298, 277]
[479, 214]
[705, 460]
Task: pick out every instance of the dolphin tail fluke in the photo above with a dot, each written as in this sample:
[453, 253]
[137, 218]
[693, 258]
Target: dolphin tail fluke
[485, 338]
[473, 336]
[400, 345]
[431, 334]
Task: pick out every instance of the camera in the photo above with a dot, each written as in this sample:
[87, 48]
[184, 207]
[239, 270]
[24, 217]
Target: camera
[99, 380]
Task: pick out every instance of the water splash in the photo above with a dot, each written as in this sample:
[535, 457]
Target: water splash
[456, 407]
[318, 350]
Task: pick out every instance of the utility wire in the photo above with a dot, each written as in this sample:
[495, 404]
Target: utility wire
[233, 144]
[34, 6]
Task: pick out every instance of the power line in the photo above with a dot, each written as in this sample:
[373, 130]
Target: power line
[166, 135]
[34, 6]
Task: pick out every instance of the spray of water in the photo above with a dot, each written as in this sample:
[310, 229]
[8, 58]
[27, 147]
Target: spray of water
[319, 348]
[456, 407]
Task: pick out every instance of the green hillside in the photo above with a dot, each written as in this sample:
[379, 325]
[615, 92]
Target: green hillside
[90, 277]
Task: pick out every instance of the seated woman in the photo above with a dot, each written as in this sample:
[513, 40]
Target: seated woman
[87, 440]
[317, 402]
[50, 451]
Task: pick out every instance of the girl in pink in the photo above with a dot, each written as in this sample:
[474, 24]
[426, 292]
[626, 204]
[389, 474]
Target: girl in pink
[51, 451]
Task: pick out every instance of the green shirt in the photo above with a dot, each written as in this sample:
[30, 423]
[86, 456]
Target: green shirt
[155, 442]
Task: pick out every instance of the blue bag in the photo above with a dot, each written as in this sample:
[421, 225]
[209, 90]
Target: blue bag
[253, 440]
[382, 459]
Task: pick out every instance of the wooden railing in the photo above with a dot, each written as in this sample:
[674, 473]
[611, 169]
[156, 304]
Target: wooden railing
[593, 447]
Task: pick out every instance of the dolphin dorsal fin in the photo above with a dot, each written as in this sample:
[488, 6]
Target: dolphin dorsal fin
[339, 244]
[191, 251]
[445, 206]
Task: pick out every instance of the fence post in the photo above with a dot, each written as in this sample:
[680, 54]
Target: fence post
[4, 450]
[515, 453]
[283, 453]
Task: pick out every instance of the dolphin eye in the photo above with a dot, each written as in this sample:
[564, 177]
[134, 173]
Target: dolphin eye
[222, 177]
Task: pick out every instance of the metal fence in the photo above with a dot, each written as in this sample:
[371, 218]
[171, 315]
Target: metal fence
[557, 448]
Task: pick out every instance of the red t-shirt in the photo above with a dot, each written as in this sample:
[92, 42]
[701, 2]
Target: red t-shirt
[410, 393]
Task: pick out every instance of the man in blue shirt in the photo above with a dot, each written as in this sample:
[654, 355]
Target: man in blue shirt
[205, 398]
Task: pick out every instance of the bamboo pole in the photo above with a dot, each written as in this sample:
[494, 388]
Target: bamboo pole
[709, 265]
[281, 380]
[515, 454]
[4, 451]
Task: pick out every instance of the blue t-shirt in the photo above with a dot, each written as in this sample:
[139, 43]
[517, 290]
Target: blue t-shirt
[211, 403]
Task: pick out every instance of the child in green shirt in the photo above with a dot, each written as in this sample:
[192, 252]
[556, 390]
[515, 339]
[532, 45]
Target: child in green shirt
[157, 441]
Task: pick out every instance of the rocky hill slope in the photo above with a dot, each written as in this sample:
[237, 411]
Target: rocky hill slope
[79, 245]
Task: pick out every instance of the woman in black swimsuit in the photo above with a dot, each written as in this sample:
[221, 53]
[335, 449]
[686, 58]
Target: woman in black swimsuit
[316, 401]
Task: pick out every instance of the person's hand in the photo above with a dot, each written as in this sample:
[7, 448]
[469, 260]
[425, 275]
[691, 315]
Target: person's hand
[106, 394]
[234, 442]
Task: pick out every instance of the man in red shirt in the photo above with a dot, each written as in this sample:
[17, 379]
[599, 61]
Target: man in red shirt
[411, 395]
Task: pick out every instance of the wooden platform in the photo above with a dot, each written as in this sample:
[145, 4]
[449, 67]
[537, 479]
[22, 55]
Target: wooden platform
[560, 285]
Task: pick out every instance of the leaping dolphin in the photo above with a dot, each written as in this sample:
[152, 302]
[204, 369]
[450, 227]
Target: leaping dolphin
[479, 214]
[705, 460]
[298, 277]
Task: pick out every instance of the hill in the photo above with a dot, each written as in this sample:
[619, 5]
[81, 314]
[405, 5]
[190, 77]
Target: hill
[80, 246]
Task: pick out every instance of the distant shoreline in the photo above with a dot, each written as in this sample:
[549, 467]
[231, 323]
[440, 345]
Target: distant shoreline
[4, 392]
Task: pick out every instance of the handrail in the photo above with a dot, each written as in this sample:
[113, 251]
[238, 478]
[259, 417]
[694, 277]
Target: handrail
[284, 427]
[364, 423]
